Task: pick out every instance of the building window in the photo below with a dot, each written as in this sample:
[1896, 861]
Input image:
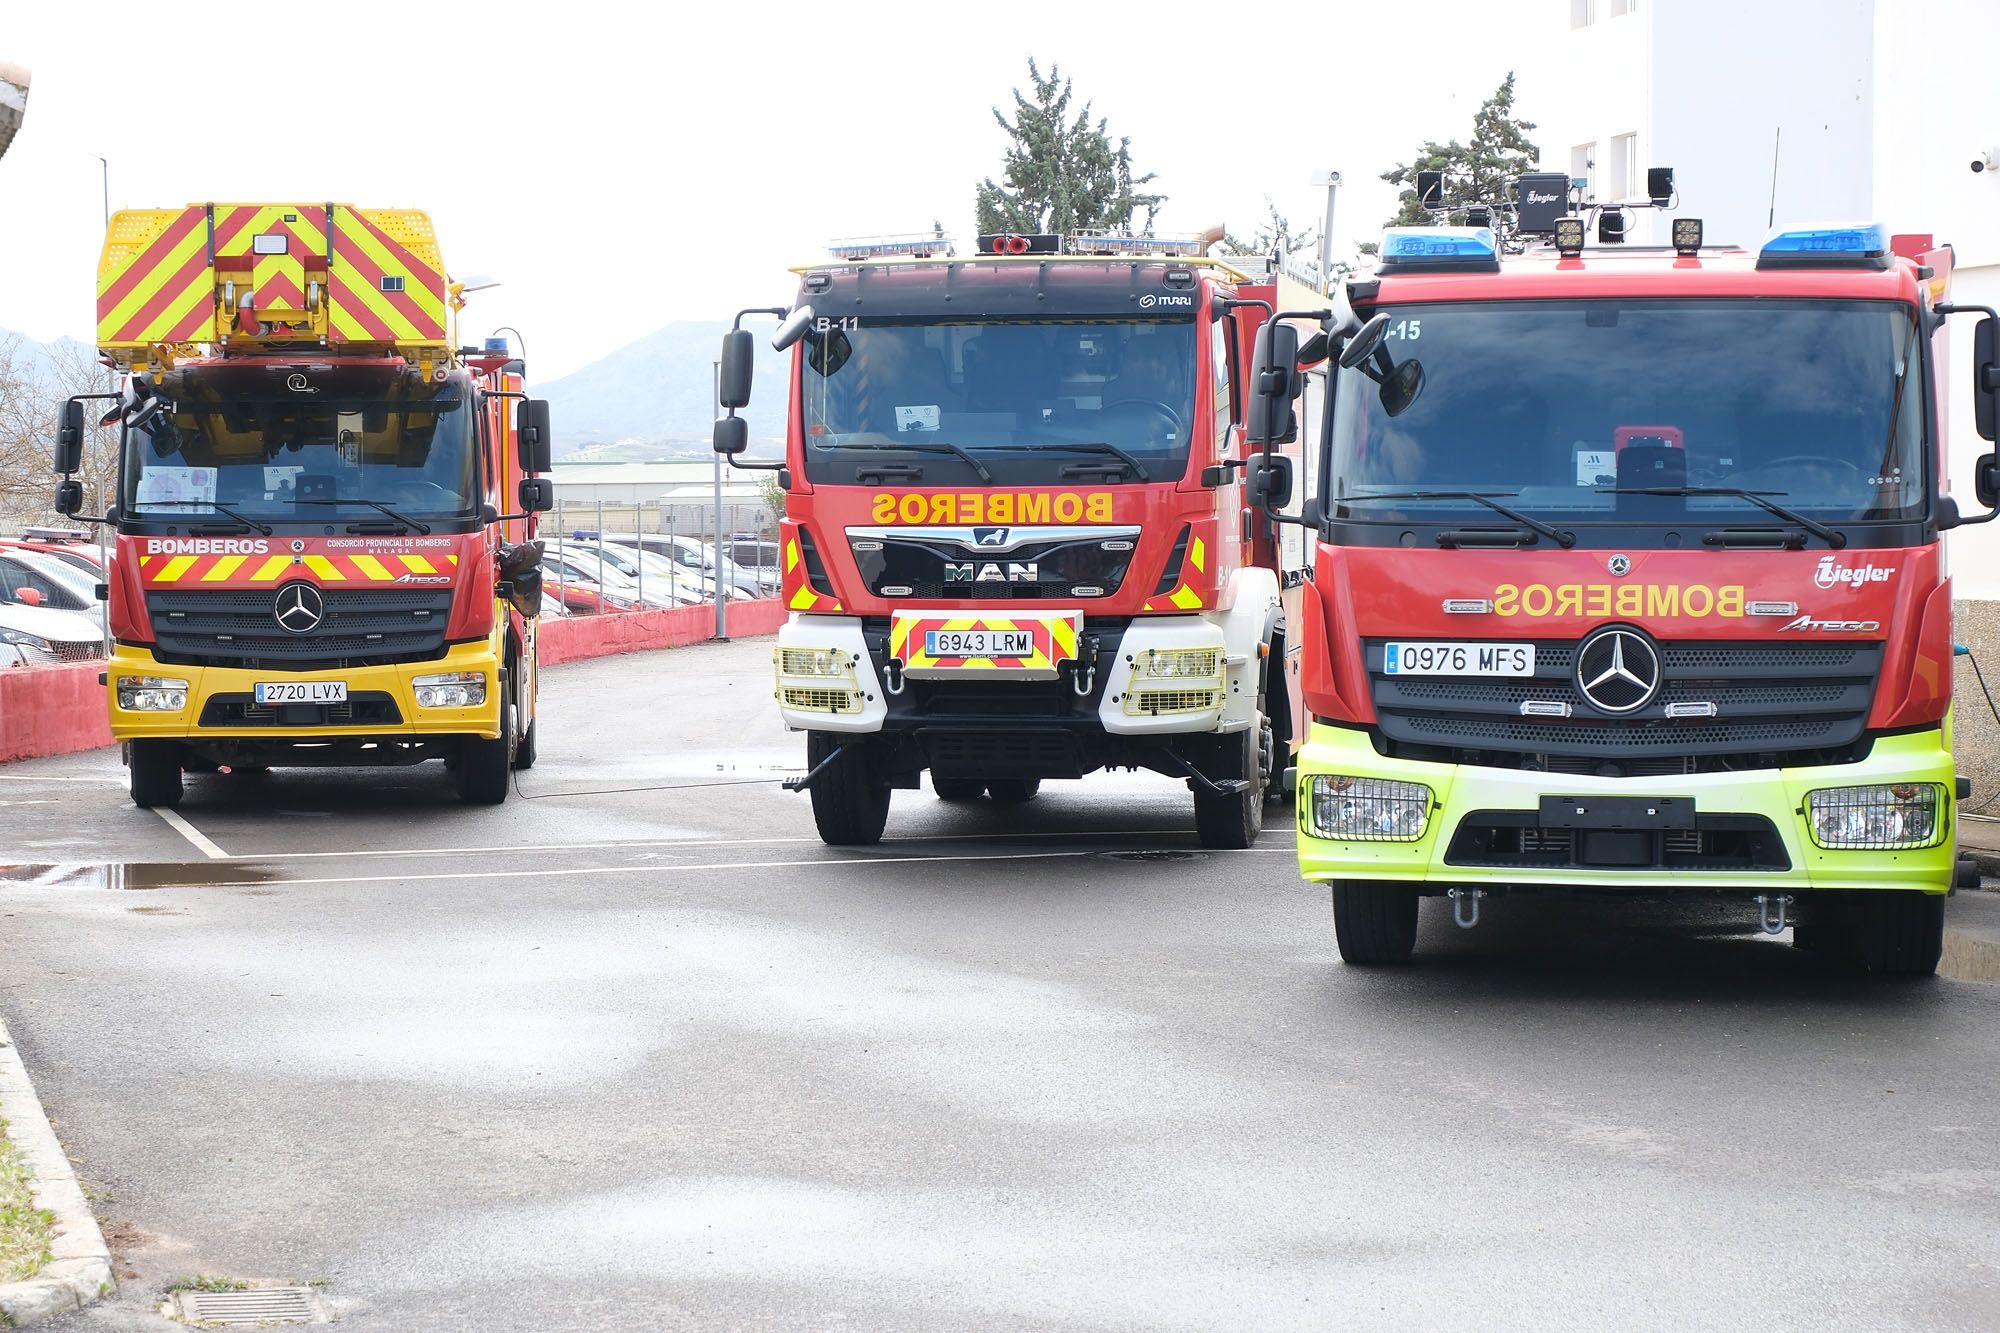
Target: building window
[1613, 8]
[1583, 168]
[1624, 164]
[1582, 13]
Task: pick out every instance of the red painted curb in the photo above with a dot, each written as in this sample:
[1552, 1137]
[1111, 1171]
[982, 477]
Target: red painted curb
[60, 709]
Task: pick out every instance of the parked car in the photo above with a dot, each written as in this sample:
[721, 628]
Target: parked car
[575, 584]
[607, 568]
[33, 578]
[72, 546]
[44, 636]
[648, 570]
[694, 554]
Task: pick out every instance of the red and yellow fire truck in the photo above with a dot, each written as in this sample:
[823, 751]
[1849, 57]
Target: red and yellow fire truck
[313, 565]
[1629, 577]
[1015, 543]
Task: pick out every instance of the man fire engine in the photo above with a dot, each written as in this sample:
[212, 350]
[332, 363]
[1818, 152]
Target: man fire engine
[312, 564]
[1629, 577]
[1015, 546]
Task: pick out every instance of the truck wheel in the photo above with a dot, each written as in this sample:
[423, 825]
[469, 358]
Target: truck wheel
[486, 768]
[850, 806]
[524, 749]
[156, 773]
[1374, 922]
[957, 789]
[1013, 791]
[1231, 821]
[1901, 933]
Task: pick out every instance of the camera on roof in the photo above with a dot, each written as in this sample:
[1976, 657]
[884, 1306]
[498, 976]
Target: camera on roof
[1987, 161]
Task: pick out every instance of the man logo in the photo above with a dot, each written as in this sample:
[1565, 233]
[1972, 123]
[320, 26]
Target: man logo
[990, 536]
[299, 609]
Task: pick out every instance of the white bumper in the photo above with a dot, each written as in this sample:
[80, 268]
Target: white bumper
[847, 697]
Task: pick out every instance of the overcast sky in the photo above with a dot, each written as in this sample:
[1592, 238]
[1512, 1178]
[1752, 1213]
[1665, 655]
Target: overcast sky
[619, 167]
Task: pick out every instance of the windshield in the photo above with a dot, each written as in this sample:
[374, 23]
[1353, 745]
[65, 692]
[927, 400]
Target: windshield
[283, 444]
[1551, 405]
[1030, 402]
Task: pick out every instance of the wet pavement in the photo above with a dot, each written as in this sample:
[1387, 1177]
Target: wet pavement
[639, 1052]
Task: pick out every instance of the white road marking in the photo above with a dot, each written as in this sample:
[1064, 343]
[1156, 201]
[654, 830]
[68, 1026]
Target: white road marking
[191, 833]
[22, 777]
[567, 871]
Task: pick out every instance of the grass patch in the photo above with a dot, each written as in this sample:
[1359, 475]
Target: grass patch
[203, 1282]
[24, 1229]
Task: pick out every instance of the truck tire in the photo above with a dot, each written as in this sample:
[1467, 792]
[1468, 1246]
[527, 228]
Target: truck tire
[1901, 933]
[486, 768]
[1229, 821]
[1013, 791]
[957, 789]
[524, 748]
[1374, 922]
[155, 774]
[850, 806]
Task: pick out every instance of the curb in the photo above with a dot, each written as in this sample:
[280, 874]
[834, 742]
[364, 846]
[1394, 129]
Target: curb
[79, 1269]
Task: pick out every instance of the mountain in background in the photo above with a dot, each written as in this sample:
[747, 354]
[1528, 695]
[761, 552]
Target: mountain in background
[659, 392]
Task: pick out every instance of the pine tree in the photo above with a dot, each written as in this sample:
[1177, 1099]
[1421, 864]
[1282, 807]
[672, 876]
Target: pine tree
[1475, 173]
[1277, 235]
[1061, 172]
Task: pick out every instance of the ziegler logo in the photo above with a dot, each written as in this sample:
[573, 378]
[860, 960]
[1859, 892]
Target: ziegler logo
[1806, 624]
[1537, 197]
[1829, 574]
[1014, 571]
[1151, 299]
[207, 546]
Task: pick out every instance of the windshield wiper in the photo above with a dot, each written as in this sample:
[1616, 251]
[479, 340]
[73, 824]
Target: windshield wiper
[262, 529]
[1831, 536]
[1559, 536]
[1079, 446]
[404, 519]
[915, 447]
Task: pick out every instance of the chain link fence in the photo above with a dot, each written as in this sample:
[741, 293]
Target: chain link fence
[608, 557]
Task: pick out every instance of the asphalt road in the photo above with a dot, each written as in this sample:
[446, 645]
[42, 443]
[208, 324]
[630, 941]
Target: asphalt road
[639, 1052]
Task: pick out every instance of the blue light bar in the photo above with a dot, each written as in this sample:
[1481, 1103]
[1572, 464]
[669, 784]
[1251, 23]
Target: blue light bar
[1826, 245]
[919, 246]
[1440, 247]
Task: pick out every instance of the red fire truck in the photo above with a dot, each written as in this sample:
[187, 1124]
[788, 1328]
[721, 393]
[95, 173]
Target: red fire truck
[1015, 543]
[1629, 577]
[313, 566]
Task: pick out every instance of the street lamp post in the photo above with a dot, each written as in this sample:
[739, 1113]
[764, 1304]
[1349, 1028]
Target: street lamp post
[1331, 180]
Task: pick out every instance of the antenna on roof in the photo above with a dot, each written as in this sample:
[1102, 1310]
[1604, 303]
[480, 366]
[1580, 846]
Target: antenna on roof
[1771, 218]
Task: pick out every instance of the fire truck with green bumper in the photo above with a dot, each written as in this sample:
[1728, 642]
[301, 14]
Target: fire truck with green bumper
[1016, 544]
[1628, 576]
[312, 566]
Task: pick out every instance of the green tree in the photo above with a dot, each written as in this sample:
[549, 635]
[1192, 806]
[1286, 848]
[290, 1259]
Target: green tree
[774, 501]
[1479, 172]
[1062, 173]
[1276, 234]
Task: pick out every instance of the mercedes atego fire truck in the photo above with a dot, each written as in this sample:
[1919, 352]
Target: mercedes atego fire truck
[1629, 577]
[313, 563]
[1015, 545]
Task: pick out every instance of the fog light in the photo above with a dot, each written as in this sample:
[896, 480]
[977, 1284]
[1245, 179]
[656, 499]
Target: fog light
[1905, 814]
[812, 662]
[451, 689]
[152, 694]
[1350, 809]
[1177, 663]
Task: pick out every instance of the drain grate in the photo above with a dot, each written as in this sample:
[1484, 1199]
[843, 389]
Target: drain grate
[253, 1308]
[1157, 855]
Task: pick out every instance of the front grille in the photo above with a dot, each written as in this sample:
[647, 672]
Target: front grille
[236, 627]
[1772, 703]
[821, 699]
[367, 708]
[1511, 839]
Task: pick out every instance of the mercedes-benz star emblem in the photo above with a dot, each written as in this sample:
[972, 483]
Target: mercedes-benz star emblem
[1619, 565]
[299, 608]
[1618, 670]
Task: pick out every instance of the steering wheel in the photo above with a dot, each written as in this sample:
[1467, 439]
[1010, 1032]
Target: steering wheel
[1175, 427]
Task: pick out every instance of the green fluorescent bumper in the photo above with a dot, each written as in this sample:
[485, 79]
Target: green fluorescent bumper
[1776, 794]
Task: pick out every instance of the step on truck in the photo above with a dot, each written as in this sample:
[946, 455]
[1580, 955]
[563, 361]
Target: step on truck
[1016, 544]
[1628, 577]
[314, 563]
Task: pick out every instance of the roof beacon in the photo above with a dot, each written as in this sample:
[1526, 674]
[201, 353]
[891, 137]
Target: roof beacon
[923, 245]
[1443, 248]
[1827, 245]
[1120, 243]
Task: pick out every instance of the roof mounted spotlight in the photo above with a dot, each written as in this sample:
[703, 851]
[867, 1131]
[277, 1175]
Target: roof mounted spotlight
[1611, 225]
[1660, 186]
[1569, 237]
[1430, 189]
[1687, 235]
[1479, 215]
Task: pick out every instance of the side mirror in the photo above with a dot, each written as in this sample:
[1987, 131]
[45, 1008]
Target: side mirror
[1267, 479]
[1985, 481]
[739, 363]
[1274, 383]
[1364, 342]
[1986, 378]
[69, 440]
[69, 497]
[732, 435]
[534, 445]
[791, 328]
[28, 596]
[1401, 387]
[1311, 515]
[538, 495]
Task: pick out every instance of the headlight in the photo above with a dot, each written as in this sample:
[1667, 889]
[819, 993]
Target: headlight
[25, 639]
[1903, 814]
[450, 689]
[812, 662]
[152, 694]
[1178, 663]
[1350, 809]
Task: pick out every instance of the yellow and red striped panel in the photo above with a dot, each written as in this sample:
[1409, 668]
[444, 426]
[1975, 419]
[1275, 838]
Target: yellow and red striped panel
[238, 571]
[1052, 640]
